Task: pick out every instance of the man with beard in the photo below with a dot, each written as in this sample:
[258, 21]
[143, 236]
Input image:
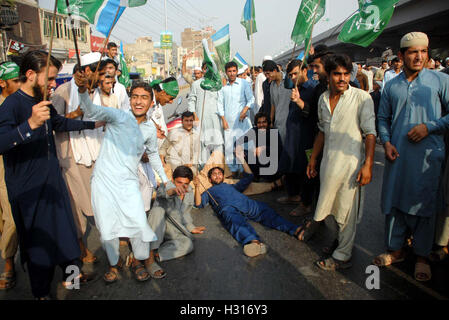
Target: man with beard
[38, 195]
[411, 127]
[116, 198]
[9, 82]
[233, 208]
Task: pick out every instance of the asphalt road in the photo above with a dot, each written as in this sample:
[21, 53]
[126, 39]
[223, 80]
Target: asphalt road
[218, 269]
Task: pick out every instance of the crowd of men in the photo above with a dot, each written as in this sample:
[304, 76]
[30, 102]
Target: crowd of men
[93, 148]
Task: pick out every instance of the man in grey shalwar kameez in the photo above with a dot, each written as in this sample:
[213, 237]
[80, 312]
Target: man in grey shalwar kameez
[171, 221]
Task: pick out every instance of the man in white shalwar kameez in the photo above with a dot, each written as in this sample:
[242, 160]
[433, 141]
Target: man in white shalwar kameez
[116, 199]
[346, 115]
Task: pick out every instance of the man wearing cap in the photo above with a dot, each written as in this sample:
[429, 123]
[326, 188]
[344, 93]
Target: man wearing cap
[164, 91]
[78, 150]
[9, 82]
[411, 128]
[394, 71]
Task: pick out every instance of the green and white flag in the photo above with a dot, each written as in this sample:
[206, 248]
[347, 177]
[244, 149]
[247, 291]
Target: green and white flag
[368, 23]
[309, 13]
[239, 60]
[211, 80]
[249, 18]
[124, 77]
[222, 44]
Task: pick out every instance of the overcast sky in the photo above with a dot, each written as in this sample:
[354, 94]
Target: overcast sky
[274, 18]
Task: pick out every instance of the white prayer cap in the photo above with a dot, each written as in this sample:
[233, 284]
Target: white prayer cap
[197, 69]
[267, 58]
[90, 58]
[414, 39]
[242, 69]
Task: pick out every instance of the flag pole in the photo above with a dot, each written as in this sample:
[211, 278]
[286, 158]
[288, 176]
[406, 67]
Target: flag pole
[199, 135]
[53, 22]
[310, 41]
[69, 13]
[252, 44]
[104, 48]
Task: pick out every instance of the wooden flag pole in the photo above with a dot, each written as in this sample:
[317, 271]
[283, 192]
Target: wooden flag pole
[310, 41]
[199, 135]
[69, 13]
[53, 22]
[104, 48]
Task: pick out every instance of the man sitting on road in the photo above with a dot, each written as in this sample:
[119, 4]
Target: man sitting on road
[234, 208]
[171, 221]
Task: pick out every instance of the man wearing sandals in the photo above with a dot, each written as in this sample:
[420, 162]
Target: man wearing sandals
[171, 221]
[116, 199]
[234, 208]
[411, 128]
[9, 82]
[346, 115]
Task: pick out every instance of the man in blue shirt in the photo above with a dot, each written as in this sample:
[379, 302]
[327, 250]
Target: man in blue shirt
[234, 209]
[411, 124]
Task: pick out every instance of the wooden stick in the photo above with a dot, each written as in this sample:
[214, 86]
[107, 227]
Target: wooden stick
[252, 44]
[310, 41]
[199, 135]
[49, 52]
[69, 13]
[104, 48]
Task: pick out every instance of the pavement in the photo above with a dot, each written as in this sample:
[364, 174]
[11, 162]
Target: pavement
[218, 269]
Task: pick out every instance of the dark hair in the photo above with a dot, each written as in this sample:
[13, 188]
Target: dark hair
[337, 60]
[76, 67]
[203, 64]
[209, 173]
[110, 61]
[36, 61]
[231, 64]
[269, 65]
[261, 115]
[186, 114]
[183, 172]
[295, 63]
[145, 86]
[108, 76]
[385, 61]
[111, 45]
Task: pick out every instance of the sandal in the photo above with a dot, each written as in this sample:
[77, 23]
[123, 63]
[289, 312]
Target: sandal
[140, 273]
[386, 259]
[153, 268]
[83, 279]
[254, 249]
[422, 272]
[439, 255]
[112, 276]
[8, 279]
[308, 230]
[331, 264]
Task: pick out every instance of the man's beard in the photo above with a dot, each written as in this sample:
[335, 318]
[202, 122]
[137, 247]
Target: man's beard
[37, 91]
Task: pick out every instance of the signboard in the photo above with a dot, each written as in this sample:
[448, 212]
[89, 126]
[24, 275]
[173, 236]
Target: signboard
[96, 43]
[158, 58]
[166, 40]
[18, 48]
[72, 53]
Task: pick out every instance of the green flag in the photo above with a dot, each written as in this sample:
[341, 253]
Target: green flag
[86, 9]
[368, 23]
[222, 45]
[124, 77]
[249, 18]
[211, 80]
[310, 12]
